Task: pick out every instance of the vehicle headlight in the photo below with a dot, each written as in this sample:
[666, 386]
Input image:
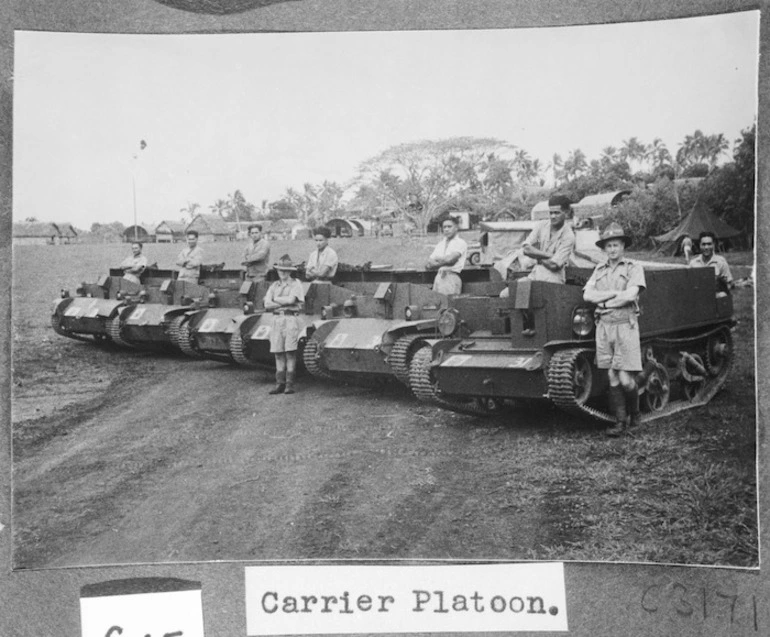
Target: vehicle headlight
[411, 312]
[349, 309]
[248, 308]
[447, 322]
[582, 321]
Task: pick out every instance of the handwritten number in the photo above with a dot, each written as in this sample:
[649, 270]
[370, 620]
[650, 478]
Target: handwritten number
[732, 605]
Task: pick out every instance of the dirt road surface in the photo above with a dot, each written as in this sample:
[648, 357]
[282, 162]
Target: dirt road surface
[192, 460]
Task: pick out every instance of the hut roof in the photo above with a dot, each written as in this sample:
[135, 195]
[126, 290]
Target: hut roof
[66, 229]
[174, 227]
[210, 223]
[35, 229]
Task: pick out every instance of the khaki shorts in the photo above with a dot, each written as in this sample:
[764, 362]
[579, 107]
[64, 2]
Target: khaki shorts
[284, 334]
[618, 346]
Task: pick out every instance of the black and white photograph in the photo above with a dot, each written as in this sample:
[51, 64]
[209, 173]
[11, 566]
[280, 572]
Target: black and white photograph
[447, 295]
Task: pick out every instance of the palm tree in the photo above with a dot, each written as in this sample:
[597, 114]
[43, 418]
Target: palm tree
[713, 147]
[189, 209]
[659, 154]
[556, 165]
[575, 164]
[220, 207]
[609, 155]
[633, 150]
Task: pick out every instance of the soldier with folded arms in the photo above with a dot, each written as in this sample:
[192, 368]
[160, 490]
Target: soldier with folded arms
[284, 299]
[190, 259]
[134, 265]
[615, 286]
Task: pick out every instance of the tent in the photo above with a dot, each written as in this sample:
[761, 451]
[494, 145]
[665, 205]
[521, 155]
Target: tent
[697, 221]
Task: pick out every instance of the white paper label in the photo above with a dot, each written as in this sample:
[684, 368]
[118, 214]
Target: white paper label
[322, 600]
[168, 614]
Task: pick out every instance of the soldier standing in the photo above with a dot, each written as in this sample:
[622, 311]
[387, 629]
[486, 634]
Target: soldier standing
[284, 299]
[190, 259]
[615, 286]
[448, 257]
[257, 254]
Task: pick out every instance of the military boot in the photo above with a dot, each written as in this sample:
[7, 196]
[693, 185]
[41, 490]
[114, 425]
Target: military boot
[632, 405]
[280, 383]
[617, 402]
[290, 382]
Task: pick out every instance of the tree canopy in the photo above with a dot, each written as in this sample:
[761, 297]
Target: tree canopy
[421, 180]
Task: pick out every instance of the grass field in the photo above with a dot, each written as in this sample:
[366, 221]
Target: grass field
[682, 490]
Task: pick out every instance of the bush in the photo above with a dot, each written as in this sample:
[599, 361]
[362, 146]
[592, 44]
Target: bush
[651, 211]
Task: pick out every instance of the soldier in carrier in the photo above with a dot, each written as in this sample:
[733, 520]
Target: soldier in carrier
[190, 259]
[135, 265]
[615, 286]
[448, 258]
[707, 258]
[256, 256]
[547, 250]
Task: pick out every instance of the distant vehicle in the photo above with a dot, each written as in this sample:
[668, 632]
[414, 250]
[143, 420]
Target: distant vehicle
[498, 239]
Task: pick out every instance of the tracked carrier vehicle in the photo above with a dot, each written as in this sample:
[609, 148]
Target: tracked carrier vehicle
[486, 357]
[159, 317]
[390, 313]
[243, 335]
[151, 314]
[89, 315]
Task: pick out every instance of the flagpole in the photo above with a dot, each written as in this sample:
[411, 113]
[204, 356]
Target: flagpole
[142, 146]
[133, 186]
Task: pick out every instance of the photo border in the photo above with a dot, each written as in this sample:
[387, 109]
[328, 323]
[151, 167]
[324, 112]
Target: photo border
[603, 598]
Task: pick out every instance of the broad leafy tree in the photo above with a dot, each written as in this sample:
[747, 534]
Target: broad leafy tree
[421, 180]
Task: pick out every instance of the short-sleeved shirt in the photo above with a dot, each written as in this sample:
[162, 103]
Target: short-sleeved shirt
[193, 258]
[625, 274]
[718, 263]
[617, 334]
[327, 257]
[257, 256]
[445, 247]
[292, 287]
[135, 263]
[559, 245]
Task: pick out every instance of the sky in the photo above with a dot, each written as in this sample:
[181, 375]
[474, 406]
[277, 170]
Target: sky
[264, 112]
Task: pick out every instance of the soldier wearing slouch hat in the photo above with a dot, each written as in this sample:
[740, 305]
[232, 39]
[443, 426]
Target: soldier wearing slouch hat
[615, 286]
[284, 298]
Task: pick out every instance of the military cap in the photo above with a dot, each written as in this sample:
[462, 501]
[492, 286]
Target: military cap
[284, 263]
[613, 231]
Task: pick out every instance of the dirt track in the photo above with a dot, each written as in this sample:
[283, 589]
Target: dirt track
[190, 460]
